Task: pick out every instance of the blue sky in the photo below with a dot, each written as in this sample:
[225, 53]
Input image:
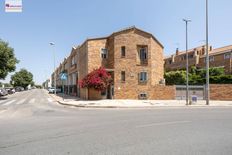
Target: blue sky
[68, 23]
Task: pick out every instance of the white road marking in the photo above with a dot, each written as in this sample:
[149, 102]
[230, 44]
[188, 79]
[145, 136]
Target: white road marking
[9, 102]
[162, 123]
[49, 100]
[21, 101]
[2, 111]
[32, 100]
[2, 101]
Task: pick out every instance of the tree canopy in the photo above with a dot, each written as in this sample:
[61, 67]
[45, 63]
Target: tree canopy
[22, 78]
[7, 59]
[197, 76]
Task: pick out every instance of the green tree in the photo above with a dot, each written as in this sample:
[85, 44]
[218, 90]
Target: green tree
[175, 77]
[22, 78]
[7, 59]
[197, 76]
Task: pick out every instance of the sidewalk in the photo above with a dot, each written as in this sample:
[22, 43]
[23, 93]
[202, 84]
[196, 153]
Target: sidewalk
[74, 101]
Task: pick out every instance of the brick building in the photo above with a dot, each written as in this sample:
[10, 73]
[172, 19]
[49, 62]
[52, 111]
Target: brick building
[219, 57]
[133, 57]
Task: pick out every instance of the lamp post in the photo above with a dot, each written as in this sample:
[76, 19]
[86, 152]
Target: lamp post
[207, 58]
[53, 44]
[187, 64]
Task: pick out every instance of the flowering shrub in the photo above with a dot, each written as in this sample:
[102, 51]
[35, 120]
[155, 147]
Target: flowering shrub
[98, 79]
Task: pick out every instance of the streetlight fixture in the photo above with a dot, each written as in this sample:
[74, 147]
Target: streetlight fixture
[53, 44]
[207, 58]
[187, 64]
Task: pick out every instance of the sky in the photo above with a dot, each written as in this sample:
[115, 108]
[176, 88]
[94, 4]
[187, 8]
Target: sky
[68, 23]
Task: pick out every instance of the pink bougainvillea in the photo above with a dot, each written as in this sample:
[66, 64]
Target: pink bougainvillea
[98, 79]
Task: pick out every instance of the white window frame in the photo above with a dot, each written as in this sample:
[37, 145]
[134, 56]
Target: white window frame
[73, 61]
[227, 55]
[143, 77]
[104, 53]
[211, 58]
[74, 77]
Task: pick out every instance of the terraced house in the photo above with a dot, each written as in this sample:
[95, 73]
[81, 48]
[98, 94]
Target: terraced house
[133, 57]
[218, 57]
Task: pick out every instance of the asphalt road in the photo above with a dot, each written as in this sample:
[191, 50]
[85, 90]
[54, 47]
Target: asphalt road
[31, 123]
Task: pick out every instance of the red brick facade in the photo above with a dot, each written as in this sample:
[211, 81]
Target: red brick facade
[221, 92]
[142, 60]
[219, 57]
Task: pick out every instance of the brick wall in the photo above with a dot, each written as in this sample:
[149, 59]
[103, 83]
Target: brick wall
[131, 88]
[162, 92]
[221, 92]
[94, 94]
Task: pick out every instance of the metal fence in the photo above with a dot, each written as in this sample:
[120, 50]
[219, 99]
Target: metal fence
[198, 91]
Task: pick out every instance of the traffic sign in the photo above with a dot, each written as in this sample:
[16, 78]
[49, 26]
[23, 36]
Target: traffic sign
[63, 76]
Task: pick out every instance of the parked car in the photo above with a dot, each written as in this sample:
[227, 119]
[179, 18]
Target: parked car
[18, 89]
[11, 90]
[3, 92]
[52, 90]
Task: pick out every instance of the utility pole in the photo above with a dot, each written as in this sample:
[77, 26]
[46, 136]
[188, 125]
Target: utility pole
[53, 44]
[187, 64]
[207, 58]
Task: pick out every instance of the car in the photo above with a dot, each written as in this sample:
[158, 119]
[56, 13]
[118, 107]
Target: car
[18, 89]
[52, 90]
[3, 92]
[11, 91]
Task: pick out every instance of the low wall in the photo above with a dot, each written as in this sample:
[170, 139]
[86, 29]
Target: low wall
[94, 94]
[162, 92]
[221, 92]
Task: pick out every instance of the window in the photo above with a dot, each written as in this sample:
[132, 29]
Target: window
[227, 55]
[104, 53]
[74, 78]
[73, 61]
[123, 51]
[143, 77]
[143, 96]
[170, 61]
[143, 54]
[123, 76]
[190, 56]
[211, 58]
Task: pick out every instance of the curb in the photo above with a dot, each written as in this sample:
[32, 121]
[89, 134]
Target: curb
[141, 107]
[138, 107]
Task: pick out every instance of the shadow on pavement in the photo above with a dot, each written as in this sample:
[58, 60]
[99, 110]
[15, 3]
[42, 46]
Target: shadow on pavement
[3, 98]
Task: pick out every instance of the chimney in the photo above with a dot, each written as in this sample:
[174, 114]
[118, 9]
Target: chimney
[177, 51]
[210, 48]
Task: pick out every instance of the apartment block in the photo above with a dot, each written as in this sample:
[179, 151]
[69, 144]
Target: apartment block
[133, 57]
[218, 57]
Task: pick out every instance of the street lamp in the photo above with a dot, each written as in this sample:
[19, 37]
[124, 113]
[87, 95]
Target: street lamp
[187, 64]
[53, 44]
[207, 58]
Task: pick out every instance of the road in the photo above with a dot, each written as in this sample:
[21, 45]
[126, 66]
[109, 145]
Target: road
[31, 123]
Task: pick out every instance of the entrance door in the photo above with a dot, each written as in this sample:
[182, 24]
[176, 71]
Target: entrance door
[110, 92]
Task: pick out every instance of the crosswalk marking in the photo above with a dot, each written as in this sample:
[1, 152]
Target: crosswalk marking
[32, 100]
[9, 102]
[21, 101]
[2, 101]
